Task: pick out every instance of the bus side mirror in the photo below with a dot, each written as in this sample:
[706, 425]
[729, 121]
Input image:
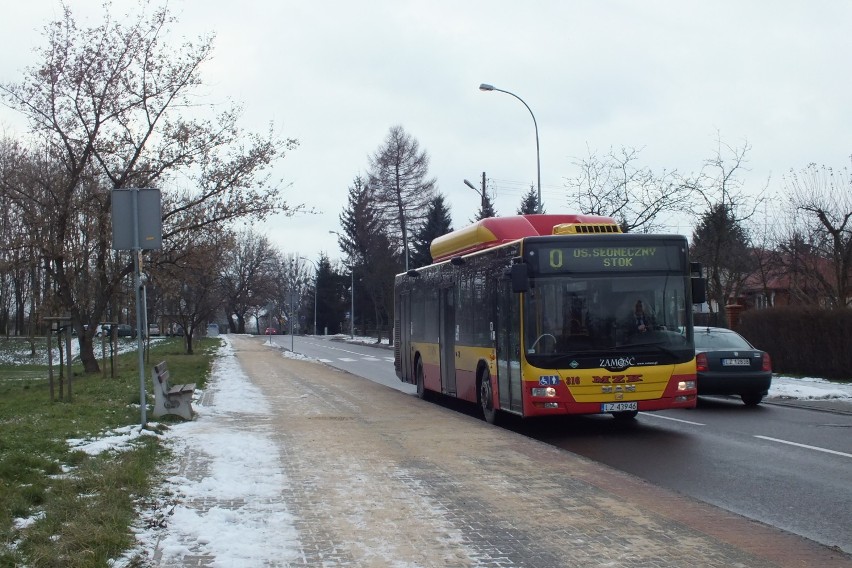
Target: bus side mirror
[520, 278]
[699, 290]
[699, 284]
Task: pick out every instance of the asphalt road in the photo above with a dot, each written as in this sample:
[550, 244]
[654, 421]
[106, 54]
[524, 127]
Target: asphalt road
[787, 467]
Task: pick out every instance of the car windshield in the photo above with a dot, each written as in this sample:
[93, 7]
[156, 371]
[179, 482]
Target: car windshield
[711, 339]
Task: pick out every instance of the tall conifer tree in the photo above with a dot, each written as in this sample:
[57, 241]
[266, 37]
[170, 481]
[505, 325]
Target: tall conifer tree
[529, 204]
[438, 222]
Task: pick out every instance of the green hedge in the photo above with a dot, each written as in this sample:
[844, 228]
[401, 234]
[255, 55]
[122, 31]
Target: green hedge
[803, 340]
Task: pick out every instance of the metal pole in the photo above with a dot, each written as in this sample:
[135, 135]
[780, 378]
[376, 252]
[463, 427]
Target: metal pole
[487, 87]
[144, 324]
[137, 284]
[68, 361]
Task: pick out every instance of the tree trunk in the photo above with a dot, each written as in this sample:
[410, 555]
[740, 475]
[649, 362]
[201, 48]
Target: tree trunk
[87, 352]
[188, 341]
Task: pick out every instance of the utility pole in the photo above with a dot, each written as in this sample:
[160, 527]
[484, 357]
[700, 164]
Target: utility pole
[482, 195]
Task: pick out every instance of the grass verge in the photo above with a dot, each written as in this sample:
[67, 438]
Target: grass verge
[60, 506]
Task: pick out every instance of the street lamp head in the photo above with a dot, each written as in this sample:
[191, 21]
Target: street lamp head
[470, 185]
[486, 87]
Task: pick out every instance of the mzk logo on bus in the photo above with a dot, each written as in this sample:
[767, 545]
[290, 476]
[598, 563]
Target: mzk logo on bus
[617, 379]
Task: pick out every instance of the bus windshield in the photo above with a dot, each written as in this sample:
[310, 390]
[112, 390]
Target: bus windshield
[590, 316]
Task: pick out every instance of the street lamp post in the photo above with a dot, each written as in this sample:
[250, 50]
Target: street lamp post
[316, 290]
[482, 195]
[487, 87]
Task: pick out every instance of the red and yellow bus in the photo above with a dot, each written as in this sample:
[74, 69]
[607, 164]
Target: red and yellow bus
[535, 315]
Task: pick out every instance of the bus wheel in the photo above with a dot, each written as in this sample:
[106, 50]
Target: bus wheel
[422, 393]
[486, 399]
[625, 415]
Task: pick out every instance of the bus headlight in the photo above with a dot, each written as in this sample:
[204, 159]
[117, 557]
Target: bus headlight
[686, 385]
[545, 391]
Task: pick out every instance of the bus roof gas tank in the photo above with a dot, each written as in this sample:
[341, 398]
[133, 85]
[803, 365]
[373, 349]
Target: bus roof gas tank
[495, 231]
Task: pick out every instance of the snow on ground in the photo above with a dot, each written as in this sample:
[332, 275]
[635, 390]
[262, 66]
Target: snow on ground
[242, 466]
[22, 355]
[117, 440]
[809, 388]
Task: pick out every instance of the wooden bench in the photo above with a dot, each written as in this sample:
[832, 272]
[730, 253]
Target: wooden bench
[168, 398]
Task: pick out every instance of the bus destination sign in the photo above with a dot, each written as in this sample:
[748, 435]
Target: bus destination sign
[656, 256]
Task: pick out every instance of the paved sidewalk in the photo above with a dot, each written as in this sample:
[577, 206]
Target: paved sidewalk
[375, 477]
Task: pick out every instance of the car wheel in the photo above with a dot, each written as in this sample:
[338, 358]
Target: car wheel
[486, 399]
[422, 393]
[751, 399]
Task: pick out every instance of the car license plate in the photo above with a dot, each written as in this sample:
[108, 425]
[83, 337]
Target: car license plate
[618, 406]
[735, 362]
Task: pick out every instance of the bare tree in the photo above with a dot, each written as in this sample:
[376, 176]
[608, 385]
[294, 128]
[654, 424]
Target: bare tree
[767, 257]
[399, 178]
[616, 186]
[114, 106]
[825, 197]
[191, 287]
[21, 278]
[725, 250]
[248, 277]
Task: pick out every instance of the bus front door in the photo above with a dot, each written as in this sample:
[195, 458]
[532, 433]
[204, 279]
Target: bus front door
[447, 327]
[509, 348]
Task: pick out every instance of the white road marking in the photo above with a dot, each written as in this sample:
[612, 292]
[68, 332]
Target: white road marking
[369, 359]
[816, 448]
[655, 415]
[346, 359]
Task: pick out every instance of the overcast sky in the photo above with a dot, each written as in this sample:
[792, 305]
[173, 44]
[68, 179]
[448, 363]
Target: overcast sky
[663, 76]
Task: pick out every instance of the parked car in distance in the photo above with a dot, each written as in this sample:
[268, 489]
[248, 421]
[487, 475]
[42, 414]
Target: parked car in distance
[727, 364]
[271, 331]
[126, 330]
[121, 330]
[153, 329]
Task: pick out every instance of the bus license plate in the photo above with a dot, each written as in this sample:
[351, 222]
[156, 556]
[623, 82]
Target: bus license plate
[735, 362]
[618, 406]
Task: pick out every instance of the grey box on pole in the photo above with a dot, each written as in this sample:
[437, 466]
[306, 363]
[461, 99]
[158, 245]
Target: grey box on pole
[149, 214]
